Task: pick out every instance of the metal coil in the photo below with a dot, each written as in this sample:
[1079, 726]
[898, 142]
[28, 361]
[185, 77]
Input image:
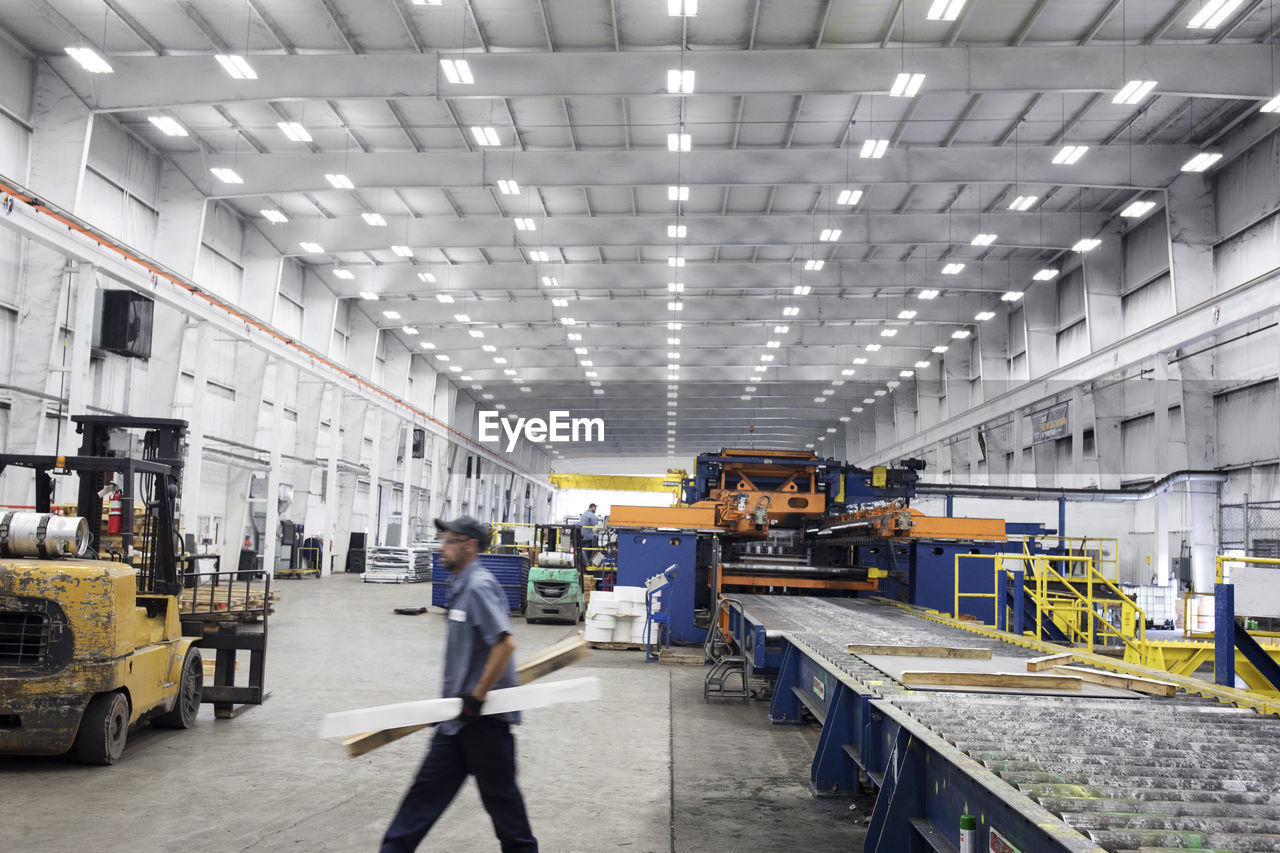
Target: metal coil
[39, 534]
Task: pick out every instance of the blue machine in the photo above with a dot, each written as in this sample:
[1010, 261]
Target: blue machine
[641, 553]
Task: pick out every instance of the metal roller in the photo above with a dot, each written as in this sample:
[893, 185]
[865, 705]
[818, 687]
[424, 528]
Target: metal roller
[38, 534]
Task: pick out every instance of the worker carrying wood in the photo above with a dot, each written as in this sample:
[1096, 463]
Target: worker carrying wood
[477, 659]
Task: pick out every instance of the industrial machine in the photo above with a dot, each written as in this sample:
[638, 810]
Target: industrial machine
[554, 591]
[792, 523]
[88, 646]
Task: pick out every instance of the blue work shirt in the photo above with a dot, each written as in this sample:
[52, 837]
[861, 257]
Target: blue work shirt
[477, 618]
[589, 521]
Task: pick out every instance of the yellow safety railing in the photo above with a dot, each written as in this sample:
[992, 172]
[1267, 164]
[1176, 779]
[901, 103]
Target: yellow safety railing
[1195, 623]
[1253, 561]
[1078, 605]
[1082, 546]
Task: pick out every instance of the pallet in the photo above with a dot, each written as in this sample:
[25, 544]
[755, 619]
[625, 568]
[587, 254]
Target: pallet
[618, 647]
[673, 657]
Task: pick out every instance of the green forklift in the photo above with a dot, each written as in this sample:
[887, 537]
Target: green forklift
[554, 592]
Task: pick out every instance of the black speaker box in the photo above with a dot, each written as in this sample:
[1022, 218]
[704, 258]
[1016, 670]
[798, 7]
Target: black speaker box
[126, 323]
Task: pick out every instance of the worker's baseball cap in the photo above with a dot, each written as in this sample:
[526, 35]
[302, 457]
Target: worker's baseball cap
[466, 526]
[591, 506]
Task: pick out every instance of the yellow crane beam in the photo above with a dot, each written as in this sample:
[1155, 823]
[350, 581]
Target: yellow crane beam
[607, 482]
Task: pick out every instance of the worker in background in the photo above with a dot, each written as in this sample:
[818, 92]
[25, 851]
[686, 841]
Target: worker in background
[589, 521]
[477, 659]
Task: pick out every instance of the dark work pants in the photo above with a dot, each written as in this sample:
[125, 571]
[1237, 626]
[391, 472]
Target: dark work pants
[484, 748]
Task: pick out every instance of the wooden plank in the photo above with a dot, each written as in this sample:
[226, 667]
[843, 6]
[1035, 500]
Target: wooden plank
[1115, 679]
[1049, 662]
[557, 657]
[921, 651]
[618, 647]
[991, 679]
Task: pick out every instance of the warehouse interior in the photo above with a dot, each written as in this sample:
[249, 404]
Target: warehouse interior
[918, 359]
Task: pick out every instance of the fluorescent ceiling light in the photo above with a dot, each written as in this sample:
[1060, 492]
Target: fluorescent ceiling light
[760, 368]
[953, 269]
[673, 342]
[426, 345]
[312, 248]
[403, 251]
[944, 10]
[680, 82]
[573, 336]
[675, 261]
[888, 333]
[444, 298]
[819, 399]
[827, 392]
[374, 219]
[508, 187]
[409, 330]
[679, 142]
[791, 311]
[339, 182]
[849, 197]
[344, 274]
[428, 2]
[539, 256]
[844, 419]
[274, 216]
[525, 224]
[856, 409]
[227, 176]
[675, 306]
[236, 66]
[368, 296]
[1069, 154]
[960, 334]
[781, 330]
[941, 348]
[922, 364]
[881, 392]
[1024, 202]
[848, 371]
[829, 235]
[395, 315]
[168, 126]
[677, 231]
[580, 350]
[485, 135]
[550, 281]
[677, 193]
[873, 149]
[429, 278]
[1088, 244]
[509, 372]
[674, 327]
[927, 294]
[560, 303]
[906, 85]
[89, 60]
[773, 344]
[745, 397]
[675, 287]
[983, 240]
[1045, 275]
[1200, 162]
[682, 8]
[870, 348]
[294, 131]
[497, 359]
[906, 374]
[1134, 91]
[462, 318]
[984, 316]
[1011, 296]
[1138, 209]
[862, 360]
[457, 71]
[801, 290]
[767, 357]
[1212, 14]
[906, 315]
[1271, 106]
[814, 264]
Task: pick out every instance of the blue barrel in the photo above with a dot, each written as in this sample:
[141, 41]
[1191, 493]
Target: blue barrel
[511, 571]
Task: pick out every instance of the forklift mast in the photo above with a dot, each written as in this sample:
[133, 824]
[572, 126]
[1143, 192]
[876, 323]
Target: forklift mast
[159, 483]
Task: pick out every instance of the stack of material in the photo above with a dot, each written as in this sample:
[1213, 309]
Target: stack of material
[397, 565]
[510, 570]
[239, 602]
[617, 617]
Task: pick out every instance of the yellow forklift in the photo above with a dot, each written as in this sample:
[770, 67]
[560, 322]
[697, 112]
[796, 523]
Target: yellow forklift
[90, 646]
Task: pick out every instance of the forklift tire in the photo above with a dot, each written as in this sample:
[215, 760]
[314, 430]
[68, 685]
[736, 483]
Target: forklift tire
[103, 729]
[187, 704]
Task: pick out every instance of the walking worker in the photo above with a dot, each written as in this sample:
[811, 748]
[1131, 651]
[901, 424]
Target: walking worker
[477, 659]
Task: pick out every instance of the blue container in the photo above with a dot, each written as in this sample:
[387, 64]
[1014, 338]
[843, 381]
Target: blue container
[511, 571]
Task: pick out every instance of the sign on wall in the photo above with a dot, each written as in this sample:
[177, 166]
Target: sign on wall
[1050, 424]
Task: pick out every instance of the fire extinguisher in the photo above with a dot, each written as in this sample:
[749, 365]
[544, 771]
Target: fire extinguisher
[114, 513]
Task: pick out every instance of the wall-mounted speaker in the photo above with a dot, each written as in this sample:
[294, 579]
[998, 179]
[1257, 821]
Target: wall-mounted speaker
[125, 324]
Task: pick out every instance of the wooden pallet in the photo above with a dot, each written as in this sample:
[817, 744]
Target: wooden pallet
[618, 647]
[676, 657]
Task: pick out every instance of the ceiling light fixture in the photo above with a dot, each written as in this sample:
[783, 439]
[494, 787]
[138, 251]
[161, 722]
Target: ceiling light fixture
[906, 85]
[829, 235]
[1088, 244]
[1271, 106]
[368, 296]
[445, 298]
[680, 81]
[339, 182]
[677, 193]
[1134, 91]
[508, 187]
[294, 131]
[679, 142]
[983, 240]
[485, 135]
[525, 224]
[427, 277]
[791, 311]
[1024, 202]
[888, 333]
[311, 248]
[677, 232]
[873, 149]
[927, 294]
[403, 251]
[781, 330]
[539, 256]
[1045, 275]
[1068, 155]
[1011, 296]
[1212, 14]
[344, 274]
[1138, 209]
[168, 126]
[275, 217]
[984, 316]
[682, 8]
[814, 264]
[227, 176]
[236, 66]
[906, 314]
[953, 269]
[395, 315]
[90, 60]
[960, 334]
[849, 197]
[374, 219]
[941, 348]
[457, 71]
[550, 281]
[944, 10]
[1200, 162]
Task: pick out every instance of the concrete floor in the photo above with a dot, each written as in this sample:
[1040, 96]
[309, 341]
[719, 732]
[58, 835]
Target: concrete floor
[648, 768]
